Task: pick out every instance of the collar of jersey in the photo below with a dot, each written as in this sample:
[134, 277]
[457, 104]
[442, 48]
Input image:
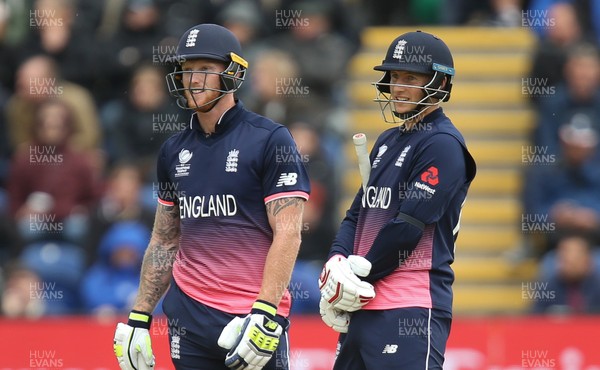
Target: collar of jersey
[430, 118]
[227, 119]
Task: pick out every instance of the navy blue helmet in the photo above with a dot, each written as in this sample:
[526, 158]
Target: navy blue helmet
[207, 41]
[419, 52]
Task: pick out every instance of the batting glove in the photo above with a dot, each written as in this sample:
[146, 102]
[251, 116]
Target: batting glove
[340, 285]
[132, 344]
[336, 319]
[251, 340]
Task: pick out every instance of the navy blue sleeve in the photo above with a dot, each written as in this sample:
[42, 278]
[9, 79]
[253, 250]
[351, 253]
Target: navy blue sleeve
[284, 173]
[439, 172]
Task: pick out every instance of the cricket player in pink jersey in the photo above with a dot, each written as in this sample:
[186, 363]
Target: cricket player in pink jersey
[387, 286]
[227, 227]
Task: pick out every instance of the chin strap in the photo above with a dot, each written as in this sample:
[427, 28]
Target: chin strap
[411, 115]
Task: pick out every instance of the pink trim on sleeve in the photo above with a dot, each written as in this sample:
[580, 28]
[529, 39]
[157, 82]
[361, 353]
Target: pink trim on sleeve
[165, 203]
[287, 194]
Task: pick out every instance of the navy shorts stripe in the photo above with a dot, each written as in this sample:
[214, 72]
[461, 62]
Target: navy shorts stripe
[194, 329]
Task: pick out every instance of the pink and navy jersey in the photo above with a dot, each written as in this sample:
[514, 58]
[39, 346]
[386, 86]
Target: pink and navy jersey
[221, 183]
[407, 220]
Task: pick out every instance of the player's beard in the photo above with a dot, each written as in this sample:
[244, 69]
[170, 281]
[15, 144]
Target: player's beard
[204, 101]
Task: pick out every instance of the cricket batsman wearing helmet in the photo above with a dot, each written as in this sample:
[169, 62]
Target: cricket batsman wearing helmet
[387, 286]
[227, 227]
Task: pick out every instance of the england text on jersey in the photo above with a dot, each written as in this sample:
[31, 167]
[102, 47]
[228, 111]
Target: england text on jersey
[207, 206]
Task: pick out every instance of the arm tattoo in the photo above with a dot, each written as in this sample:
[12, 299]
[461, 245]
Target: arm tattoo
[166, 225]
[276, 206]
[158, 259]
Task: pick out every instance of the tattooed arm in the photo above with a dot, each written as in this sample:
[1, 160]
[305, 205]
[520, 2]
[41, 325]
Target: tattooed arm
[158, 259]
[285, 218]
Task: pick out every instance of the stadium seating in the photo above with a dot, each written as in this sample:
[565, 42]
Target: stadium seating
[488, 106]
[60, 266]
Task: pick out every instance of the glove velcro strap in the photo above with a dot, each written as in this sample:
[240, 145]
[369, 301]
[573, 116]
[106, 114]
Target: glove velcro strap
[264, 308]
[138, 319]
[263, 341]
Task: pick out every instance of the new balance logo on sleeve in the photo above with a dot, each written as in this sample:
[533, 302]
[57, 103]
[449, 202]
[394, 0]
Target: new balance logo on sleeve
[390, 348]
[287, 179]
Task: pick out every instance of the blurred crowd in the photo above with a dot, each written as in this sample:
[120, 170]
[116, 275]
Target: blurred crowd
[85, 110]
[561, 192]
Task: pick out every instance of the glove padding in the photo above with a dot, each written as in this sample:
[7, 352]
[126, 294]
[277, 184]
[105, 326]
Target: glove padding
[340, 285]
[336, 319]
[251, 340]
[132, 344]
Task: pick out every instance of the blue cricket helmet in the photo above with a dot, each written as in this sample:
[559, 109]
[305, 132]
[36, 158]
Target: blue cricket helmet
[208, 41]
[419, 52]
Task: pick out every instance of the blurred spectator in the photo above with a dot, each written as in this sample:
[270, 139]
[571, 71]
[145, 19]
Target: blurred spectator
[387, 12]
[180, 15]
[572, 284]
[60, 266]
[51, 187]
[579, 94]
[110, 285]
[346, 18]
[319, 213]
[276, 89]
[13, 30]
[322, 58]
[549, 59]
[135, 39]
[119, 202]
[9, 237]
[318, 226]
[506, 13]
[90, 14]
[5, 149]
[54, 33]
[588, 16]
[37, 81]
[245, 20]
[565, 194]
[17, 300]
[498, 13]
[136, 126]
[14, 21]
[321, 54]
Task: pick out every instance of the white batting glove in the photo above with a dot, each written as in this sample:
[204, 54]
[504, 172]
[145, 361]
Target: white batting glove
[251, 340]
[132, 344]
[336, 319]
[340, 285]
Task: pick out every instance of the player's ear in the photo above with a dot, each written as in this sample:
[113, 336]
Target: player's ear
[444, 83]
